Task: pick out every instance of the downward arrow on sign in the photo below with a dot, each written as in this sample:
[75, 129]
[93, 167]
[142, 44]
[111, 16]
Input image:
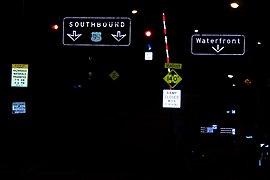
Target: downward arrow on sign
[118, 36]
[74, 36]
[217, 49]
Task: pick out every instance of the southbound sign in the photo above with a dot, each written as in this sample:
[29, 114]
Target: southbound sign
[217, 44]
[96, 31]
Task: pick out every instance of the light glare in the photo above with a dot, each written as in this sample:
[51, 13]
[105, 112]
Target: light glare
[55, 27]
[234, 5]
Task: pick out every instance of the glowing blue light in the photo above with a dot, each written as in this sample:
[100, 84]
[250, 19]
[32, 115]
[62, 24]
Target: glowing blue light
[149, 47]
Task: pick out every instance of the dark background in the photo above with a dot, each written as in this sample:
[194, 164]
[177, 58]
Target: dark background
[99, 128]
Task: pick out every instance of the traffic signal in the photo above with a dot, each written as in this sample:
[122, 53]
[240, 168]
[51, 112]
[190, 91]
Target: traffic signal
[55, 27]
[148, 33]
[148, 43]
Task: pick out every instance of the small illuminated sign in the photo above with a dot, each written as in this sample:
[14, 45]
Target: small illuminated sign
[96, 31]
[171, 98]
[209, 129]
[214, 126]
[217, 44]
[173, 65]
[225, 130]
[114, 75]
[148, 56]
[19, 75]
[18, 108]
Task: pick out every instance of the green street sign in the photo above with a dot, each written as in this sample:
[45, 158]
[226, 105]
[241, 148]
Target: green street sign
[172, 78]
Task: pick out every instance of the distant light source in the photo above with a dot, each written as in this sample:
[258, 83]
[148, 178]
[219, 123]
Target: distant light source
[230, 76]
[247, 81]
[196, 30]
[134, 11]
[55, 27]
[234, 5]
[148, 33]
[148, 47]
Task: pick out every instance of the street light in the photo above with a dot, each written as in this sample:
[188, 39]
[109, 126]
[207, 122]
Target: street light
[234, 5]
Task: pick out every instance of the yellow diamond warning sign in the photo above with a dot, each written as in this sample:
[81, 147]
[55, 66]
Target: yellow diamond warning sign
[172, 78]
[114, 75]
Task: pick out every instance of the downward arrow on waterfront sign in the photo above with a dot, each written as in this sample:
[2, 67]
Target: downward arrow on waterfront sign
[218, 49]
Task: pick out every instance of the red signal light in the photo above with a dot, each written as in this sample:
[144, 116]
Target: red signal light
[55, 27]
[148, 33]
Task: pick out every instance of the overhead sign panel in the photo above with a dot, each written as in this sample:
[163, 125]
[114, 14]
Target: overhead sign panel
[96, 31]
[217, 44]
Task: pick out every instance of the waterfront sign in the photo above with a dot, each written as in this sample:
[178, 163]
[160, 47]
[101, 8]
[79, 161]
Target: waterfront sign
[96, 31]
[217, 44]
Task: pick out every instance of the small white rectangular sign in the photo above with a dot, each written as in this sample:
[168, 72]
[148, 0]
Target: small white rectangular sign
[19, 75]
[148, 56]
[171, 98]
